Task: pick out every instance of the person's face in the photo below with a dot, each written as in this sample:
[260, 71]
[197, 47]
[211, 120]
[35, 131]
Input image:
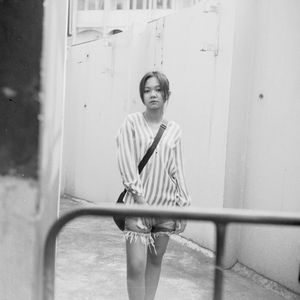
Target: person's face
[153, 97]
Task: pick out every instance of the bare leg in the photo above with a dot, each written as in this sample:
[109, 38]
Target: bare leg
[136, 265]
[153, 267]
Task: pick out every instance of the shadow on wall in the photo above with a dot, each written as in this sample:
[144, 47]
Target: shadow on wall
[20, 51]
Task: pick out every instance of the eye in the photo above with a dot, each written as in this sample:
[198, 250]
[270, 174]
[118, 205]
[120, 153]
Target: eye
[146, 91]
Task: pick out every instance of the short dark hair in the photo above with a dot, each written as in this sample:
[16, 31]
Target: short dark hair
[163, 83]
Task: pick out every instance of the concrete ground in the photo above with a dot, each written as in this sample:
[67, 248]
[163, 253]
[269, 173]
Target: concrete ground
[91, 265]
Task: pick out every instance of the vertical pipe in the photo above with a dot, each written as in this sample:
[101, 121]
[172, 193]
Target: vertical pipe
[49, 267]
[220, 247]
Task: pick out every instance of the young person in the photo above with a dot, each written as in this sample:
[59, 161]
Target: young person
[160, 183]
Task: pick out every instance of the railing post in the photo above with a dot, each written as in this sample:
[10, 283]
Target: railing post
[220, 250]
[49, 267]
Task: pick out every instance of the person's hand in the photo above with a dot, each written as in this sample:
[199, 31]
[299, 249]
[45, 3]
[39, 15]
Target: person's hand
[138, 199]
[180, 226]
[144, 223]
[147, 222]
[140, 224]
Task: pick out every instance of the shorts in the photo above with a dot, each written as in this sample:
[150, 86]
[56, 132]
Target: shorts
[135, 228]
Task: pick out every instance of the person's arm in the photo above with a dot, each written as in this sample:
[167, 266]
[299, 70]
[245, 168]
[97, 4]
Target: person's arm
[184, 198]
[127, 161]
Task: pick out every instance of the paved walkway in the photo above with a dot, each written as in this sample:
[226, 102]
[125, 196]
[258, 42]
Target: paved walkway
[91, 265]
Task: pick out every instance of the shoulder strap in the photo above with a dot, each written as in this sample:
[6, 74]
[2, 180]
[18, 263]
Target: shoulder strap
[151, 149]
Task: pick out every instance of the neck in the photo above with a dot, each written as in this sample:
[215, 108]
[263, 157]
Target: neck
[154, 116]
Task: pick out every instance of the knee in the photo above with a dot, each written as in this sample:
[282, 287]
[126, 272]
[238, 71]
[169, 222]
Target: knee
[135, 268]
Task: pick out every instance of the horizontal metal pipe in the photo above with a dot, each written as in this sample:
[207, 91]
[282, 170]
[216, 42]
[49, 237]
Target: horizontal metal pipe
[196, 214]
[217, 216]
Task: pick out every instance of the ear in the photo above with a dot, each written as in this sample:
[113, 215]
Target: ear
[168, 95]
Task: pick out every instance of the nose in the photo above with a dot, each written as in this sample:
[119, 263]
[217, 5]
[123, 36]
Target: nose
[153, 93]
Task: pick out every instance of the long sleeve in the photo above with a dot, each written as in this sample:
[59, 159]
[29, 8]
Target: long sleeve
[183, 197]
[127, 158]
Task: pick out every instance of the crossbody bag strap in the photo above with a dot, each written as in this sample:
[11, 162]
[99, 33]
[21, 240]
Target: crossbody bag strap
[151, 149]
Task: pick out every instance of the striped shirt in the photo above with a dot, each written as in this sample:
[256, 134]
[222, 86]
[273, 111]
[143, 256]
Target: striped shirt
[162, 180]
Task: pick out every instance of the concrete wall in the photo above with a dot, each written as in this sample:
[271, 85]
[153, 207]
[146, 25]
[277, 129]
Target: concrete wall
[19, 129]
[265, 124]
[89, 107]
[240, 149]
[29, 185]
[19, 87]
[243, 46]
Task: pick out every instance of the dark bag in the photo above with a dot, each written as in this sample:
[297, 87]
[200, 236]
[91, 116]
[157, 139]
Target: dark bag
[120, 220]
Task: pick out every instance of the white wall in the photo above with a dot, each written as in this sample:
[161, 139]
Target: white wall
[90, 123]
[271, 162]
[19, 241]
[241, 77]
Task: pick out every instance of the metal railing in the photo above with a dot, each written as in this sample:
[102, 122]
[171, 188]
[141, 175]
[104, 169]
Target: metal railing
[220, 217]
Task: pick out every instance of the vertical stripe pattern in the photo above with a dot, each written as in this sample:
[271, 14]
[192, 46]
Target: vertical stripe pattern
[162, 179]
